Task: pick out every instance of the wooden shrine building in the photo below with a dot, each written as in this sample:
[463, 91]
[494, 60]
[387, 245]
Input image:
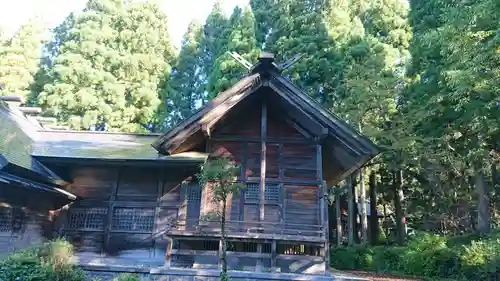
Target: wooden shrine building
[137, 201]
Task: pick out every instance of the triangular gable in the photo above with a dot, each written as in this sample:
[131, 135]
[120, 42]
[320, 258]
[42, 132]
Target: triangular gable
[344, 149]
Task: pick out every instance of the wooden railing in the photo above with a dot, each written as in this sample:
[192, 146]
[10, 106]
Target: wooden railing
[250, 228]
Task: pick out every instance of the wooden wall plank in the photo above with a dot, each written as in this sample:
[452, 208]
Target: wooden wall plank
[263, 151]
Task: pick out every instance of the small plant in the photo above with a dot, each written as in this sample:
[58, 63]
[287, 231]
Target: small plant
[47, 262]
[220, 175]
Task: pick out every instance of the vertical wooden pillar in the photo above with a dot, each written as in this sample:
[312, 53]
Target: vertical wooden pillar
[323, 197]
[374, 224]
[219, 254]
[168, 257]
[362, 193]
[156, 226]
[273, 256]
[338, 218]
[258, 267]
[351, 214]
[263, 134]
[111, 207]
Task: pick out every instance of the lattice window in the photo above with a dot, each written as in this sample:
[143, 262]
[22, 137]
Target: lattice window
[88, 218]
[5, 219]
[252, 193]
[271, 193]
[193, 193]
[133, 219]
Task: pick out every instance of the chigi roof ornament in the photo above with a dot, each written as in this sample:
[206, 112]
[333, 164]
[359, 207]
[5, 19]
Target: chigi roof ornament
[266, 62]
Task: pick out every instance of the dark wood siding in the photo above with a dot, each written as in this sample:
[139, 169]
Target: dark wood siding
[122, 211]
[292, 176]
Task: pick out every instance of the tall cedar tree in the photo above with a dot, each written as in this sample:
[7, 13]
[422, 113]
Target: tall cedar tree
[454, 101]
[109, 64]
[216, 32]
[20, 57]
[298, 27]
[226, 70]
[185, 90]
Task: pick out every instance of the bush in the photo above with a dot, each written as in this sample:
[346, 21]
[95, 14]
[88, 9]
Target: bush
[388, 259]
[351, 258]
[428, 255]
[47, 262]
[481, 260]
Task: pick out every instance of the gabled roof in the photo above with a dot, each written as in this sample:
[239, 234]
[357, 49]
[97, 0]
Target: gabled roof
[341, 143]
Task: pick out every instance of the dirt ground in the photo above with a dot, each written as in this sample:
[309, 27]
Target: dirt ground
[381, 276]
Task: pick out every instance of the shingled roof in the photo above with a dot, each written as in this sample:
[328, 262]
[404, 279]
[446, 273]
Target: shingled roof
[65, 145]
[344, 149]
[17, 166]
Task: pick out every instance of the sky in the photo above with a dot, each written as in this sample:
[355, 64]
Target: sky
[180, 12]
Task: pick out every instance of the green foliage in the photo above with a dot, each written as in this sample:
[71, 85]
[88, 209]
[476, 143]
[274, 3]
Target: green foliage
[221, 175]
[185, 89]
[226, 70]
[111, 60]
[47, 262]
[426, 255]
[20, 57]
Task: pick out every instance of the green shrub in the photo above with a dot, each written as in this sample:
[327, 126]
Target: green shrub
[351, 258]
[428, 255]
[481, 260]
[47, 262]
[388, 259]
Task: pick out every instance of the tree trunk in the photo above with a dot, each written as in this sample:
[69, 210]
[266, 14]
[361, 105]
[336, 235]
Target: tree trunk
[351, 216]
[483, 217]
[223, 257]
[374, 225]
[496, 188]
[398, 207]
[362, 199]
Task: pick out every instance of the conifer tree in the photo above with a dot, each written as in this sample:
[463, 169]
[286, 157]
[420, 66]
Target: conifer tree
[216, 31]
[20, 57]
[109, 63]
[226, 70]
[184, 92]
[298, 27]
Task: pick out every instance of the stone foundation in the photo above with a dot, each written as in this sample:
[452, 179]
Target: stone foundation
[107, 273]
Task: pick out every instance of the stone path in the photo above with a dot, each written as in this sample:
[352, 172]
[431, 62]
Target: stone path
[381, 276]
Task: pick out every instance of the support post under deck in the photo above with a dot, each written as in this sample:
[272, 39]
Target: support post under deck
[168, 257]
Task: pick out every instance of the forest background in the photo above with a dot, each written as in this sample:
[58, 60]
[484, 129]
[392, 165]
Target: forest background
[420, 78]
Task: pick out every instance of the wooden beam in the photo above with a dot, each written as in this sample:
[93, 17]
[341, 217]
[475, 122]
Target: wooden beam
[326, 227]
[297, 140]
[30, 110]
[258, 267]
[263, 135]
[159, 193]
[273, 256]
[350, 213]
[111, 207]
[168, 253]
[12, 99]
[338, 217]
[46, 120]
[219, 254]
[362, 195]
